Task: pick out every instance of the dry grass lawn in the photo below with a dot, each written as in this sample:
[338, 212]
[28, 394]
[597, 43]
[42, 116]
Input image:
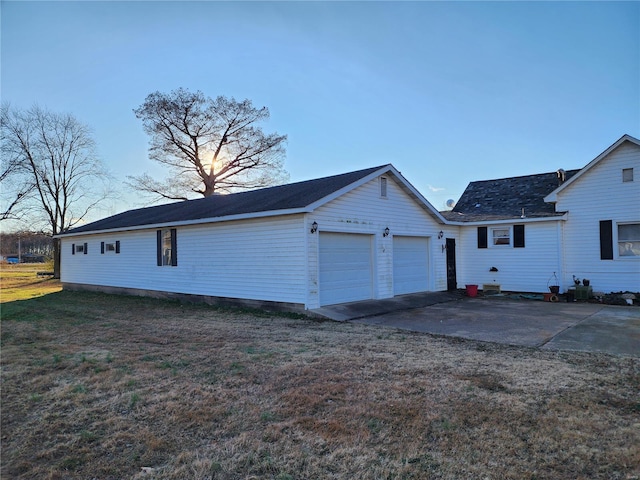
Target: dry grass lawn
[19, 282]
[108, 387]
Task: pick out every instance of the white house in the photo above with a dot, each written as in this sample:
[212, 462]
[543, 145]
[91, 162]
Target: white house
[371, 235]
[601, 236]
[362, 235]
[527, 233]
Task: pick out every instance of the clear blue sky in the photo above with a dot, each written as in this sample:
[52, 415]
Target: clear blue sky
[449, 92]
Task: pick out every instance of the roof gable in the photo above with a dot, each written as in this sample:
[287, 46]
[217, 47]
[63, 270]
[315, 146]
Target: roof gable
[296, 197]
[553, 196]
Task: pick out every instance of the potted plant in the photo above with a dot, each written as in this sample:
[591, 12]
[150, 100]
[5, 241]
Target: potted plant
[553, 284]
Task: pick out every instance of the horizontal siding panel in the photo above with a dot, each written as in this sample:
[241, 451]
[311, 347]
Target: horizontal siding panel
[252, 259]
[525, 269]
[599, 195]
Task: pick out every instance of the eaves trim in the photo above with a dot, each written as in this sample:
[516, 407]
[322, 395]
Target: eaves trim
[200, 221]
[509, 221]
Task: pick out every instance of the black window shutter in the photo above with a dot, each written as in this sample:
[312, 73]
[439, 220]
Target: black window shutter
[159, 247]
[73, 249]
[174, 248]
[606, 240]
[85, 248]
[102, 247]
[482, 237]
[117, 246]
[518, 236]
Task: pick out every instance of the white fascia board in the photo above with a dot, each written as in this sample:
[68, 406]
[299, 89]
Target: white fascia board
[553, 196]
[510, 221]
[200, 221]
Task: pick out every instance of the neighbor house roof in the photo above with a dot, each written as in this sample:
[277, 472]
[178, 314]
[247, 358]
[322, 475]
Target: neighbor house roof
[297, 197]
[508, 198]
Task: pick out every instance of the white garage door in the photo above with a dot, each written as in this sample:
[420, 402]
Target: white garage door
[410, 265]
[345, 268]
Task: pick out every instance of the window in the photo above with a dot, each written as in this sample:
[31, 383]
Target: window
[110, 247]
[383, 187]
[627, 175]
[629, 240]
[501, 236]
[167, 247]
[80, 248]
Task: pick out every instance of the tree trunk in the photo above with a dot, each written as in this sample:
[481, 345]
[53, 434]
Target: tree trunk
[56, 258]
[209, 189]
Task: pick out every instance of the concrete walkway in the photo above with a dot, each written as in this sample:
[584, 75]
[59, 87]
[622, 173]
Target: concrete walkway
[555, 326]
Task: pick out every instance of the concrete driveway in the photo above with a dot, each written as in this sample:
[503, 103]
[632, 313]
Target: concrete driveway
[576, 326]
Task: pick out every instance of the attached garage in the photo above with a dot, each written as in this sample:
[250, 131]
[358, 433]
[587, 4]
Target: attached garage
[296, 247]
[346, 271]
[410, 265]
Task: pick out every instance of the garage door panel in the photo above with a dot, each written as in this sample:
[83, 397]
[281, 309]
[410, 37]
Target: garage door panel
[410, 265]
[345, 268]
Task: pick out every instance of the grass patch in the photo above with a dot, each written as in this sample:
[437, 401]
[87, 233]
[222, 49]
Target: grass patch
[21, 282]
[100, 386]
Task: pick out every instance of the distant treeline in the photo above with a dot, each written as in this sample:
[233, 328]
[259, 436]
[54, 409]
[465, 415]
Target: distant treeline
[26, 243]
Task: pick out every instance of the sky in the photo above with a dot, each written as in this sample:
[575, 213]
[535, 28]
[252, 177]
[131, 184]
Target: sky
[447, 92]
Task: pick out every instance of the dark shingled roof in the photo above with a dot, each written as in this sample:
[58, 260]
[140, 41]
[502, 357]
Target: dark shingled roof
[505, 198]
[282, 197]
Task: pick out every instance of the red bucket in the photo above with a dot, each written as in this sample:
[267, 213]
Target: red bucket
[472, 290]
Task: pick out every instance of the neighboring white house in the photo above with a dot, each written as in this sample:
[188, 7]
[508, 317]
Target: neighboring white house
[524, 232]
[363, 235]
[371, 235]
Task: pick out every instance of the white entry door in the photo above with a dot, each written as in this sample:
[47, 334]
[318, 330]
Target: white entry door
[410, 265]
[345, 268]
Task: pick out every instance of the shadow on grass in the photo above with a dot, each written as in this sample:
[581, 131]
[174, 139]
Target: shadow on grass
[80, 307]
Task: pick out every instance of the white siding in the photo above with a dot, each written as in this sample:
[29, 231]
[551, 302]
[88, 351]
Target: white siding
[363, 210]
[525, 269]
[599, 195]
[250, 259]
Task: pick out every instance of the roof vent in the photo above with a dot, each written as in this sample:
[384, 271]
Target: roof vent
[562, 176]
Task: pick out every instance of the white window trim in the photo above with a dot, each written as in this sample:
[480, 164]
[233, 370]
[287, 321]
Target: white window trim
[384, 187]
[491, 239]
[616, 245]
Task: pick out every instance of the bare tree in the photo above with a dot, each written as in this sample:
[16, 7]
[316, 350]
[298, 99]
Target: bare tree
[15, 180]
[56, 155]
[209, 145]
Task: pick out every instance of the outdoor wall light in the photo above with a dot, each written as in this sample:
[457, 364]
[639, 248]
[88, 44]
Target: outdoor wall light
[440, 234]
[386, 232]
[314, 227]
